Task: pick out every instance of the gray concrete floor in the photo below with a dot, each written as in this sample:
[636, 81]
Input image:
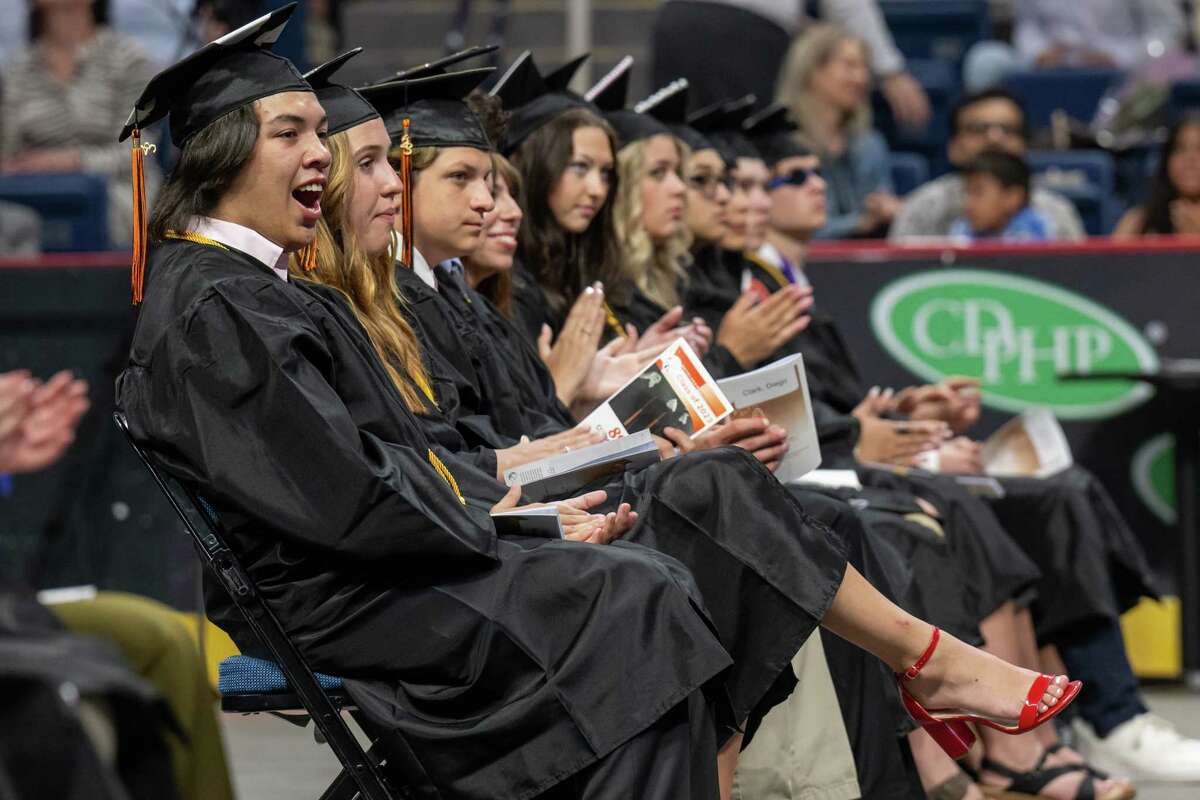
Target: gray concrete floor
[272, 760]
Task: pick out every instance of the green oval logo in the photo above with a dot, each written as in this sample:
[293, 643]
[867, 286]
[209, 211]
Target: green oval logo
[1153, 474]
[1015, 334]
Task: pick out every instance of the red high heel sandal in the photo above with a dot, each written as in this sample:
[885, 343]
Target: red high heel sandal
[949, 728]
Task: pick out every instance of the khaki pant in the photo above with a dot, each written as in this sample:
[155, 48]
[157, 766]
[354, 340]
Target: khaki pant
[161, 650]
[801, 751]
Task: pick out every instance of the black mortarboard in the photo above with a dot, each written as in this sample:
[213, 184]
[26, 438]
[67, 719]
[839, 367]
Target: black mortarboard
[427, 112]
[721, 124]
[533, 100]
[773, 134]
[669, 106]
[344, 107]
[439, 67]
[222, 76]
[610, 94]
[435, 107]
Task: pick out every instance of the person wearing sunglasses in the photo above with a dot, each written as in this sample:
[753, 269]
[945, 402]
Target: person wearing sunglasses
[989, 120]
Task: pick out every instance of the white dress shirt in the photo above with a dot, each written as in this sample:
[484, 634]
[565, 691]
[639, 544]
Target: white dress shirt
[239, 237]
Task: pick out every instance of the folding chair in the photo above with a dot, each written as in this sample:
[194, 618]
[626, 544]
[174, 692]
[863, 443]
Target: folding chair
[286, 688]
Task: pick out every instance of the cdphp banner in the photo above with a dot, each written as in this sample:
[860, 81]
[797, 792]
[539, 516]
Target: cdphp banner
[1015, 317]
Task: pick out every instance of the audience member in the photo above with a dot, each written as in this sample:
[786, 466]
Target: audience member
[692, 40]
[1173, 206]
[825, 81]
[66, 94]
[1113, 34]
[37, 424]
[990, 120]
[997, 201]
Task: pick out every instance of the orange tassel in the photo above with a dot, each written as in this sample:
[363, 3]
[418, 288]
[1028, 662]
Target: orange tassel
[308, 256]
[138, 265]
[406, 202]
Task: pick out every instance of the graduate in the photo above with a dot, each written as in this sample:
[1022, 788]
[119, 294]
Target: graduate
[654, 525]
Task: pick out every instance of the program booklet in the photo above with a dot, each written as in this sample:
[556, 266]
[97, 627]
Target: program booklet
[565, 474]
[543, 522]
[1031, 445]
[780, 389]
[675, 391]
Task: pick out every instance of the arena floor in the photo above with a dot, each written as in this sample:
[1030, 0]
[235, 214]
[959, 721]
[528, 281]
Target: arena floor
[275, 761]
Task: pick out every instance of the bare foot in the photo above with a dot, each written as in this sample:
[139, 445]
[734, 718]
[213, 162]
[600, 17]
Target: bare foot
[963, 678]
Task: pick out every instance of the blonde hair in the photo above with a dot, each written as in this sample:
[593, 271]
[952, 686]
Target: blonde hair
[809, 52]
[658, 269]
[367, 282]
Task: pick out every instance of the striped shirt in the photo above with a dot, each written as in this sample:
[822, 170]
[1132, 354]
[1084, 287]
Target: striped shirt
[84, 114]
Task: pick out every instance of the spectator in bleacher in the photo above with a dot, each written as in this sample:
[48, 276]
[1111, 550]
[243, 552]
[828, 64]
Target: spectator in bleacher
[826, 82]
[997, 204]
[66, 94]
[1173, 207]
[1049, 34]
[993, 119]
[730, 48]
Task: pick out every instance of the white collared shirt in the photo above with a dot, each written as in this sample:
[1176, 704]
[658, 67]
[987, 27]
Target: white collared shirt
[423, 270]
[249, 241]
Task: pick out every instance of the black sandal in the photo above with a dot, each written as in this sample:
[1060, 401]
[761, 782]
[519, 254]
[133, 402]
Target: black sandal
[1028, 785]
[1098, 774]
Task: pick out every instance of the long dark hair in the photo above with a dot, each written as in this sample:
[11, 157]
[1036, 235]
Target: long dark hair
[208, 165]
[1156, 211]
[565, 263]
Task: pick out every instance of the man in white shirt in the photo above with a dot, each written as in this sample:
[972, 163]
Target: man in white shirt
[1047, 34]
[992, 119]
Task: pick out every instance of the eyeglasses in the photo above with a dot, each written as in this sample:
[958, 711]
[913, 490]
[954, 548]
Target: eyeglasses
[707, 184]
[797, 177]
[984, 128]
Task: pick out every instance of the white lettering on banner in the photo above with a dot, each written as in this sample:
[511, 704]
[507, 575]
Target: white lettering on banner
[984, 328]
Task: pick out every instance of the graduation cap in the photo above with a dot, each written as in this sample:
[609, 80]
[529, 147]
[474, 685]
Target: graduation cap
[669, 106]
[344, 107]
[223, 76]
[721, 125]
[533, 100]
[439, 67]
[773, 134]
[427, 112]
[609, 95]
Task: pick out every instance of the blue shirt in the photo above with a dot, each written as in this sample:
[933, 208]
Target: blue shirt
[1026, 226]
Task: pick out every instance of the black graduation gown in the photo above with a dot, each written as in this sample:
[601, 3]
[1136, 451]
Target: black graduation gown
[731, 567]
[882, 544]
[1092, 565]
[505, 664]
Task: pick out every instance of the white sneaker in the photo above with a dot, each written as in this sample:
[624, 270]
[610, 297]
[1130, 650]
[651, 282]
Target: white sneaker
[1146, 748]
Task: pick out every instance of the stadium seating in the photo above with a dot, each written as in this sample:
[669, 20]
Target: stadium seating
[73, 208]
[1087, 178]
[937, 29]
[1075, 91]
[909, 170]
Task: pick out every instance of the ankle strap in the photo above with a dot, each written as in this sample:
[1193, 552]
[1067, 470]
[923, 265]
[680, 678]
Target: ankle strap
[912, 672]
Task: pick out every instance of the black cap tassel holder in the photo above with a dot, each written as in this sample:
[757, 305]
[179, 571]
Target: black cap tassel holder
[137, 158]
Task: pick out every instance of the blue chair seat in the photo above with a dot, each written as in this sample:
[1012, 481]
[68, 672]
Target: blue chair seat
[248, 675]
